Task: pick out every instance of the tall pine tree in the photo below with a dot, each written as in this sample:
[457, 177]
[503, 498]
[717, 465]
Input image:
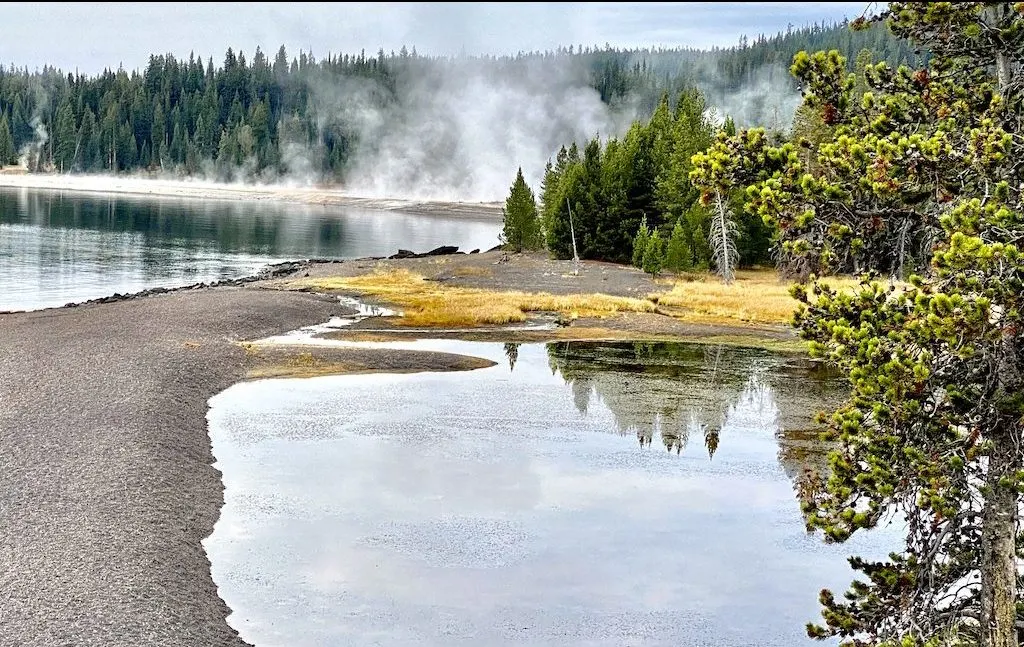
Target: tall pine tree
[521, 226]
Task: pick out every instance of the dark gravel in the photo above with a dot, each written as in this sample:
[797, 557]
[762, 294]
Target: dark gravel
[106, 484]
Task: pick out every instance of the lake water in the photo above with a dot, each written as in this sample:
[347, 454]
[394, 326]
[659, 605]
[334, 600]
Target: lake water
[573, 494]
[59, 247]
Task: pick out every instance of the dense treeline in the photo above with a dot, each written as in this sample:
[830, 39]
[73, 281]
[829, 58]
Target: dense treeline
[269, 116]
[633, 201]
[608, 192]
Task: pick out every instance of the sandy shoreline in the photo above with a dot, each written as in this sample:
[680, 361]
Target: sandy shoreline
[246, 192]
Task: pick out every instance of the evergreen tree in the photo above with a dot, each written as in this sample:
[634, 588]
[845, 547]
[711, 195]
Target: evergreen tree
[159, 134]
[7, 153]
[654, 254]
[193, 101]
[558, 229]
[21, 129]
[934, 427]
[65, 138]
[520, 230]
[729, 127]
[640, 178]
[127, 148]
[178, 143]
[640, 242]
[677, 254]
[88, 136]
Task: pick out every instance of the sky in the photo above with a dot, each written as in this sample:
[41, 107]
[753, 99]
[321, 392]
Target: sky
[89, 37]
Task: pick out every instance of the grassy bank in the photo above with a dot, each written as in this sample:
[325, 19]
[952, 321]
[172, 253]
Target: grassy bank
[427, 303]
[755, 297]
[471, 296]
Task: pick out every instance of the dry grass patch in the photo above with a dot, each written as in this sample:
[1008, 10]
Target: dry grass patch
[429, 303]
[293, 370]
[755, 297]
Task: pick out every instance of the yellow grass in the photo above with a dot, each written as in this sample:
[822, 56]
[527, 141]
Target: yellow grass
[429, 303]
[755, 297]
[289, 370]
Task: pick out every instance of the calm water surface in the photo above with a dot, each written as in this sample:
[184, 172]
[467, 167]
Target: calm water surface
[574, 494]
[60, 247]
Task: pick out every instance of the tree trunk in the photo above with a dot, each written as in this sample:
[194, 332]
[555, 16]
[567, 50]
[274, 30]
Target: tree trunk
[999, 521]
[999, 554]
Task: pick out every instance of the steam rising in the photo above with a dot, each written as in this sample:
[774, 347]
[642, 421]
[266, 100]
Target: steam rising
[456, 130]
[460, 131]
[29, 154]
[768, 99]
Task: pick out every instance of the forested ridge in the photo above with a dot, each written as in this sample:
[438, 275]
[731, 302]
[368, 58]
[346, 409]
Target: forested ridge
[260, 117]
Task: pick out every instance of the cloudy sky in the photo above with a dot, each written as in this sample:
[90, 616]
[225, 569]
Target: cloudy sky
[92, 36]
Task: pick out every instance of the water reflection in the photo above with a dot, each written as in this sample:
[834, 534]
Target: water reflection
[674, 391]
[510, 505]
[512, 353]
[57, 247]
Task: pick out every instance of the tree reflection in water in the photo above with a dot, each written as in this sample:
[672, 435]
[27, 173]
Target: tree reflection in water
[677, 391]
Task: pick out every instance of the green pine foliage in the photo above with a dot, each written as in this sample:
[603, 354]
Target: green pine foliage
[654, 254]
[521, 224]
[911, 171]
[8, 154]
[678, 256]
[175, 111]
[643, 235]
[612, 189]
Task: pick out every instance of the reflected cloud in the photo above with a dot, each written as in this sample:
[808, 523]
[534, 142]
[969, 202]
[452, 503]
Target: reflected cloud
[368, 508]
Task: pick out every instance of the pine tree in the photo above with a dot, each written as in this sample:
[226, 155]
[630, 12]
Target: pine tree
[654, 254]
[521, 225]
[20, 127]
[88, 135]
[159, 136]
[933, 432]
[7, 153]
[640, 242]
[677, 254]
[65, 138]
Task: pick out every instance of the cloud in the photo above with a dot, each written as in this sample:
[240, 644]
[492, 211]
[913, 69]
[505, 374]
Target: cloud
[89, 38]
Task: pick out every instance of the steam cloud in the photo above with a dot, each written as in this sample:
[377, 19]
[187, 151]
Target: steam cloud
[460, 131]
[28, 156]
[767, 99]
